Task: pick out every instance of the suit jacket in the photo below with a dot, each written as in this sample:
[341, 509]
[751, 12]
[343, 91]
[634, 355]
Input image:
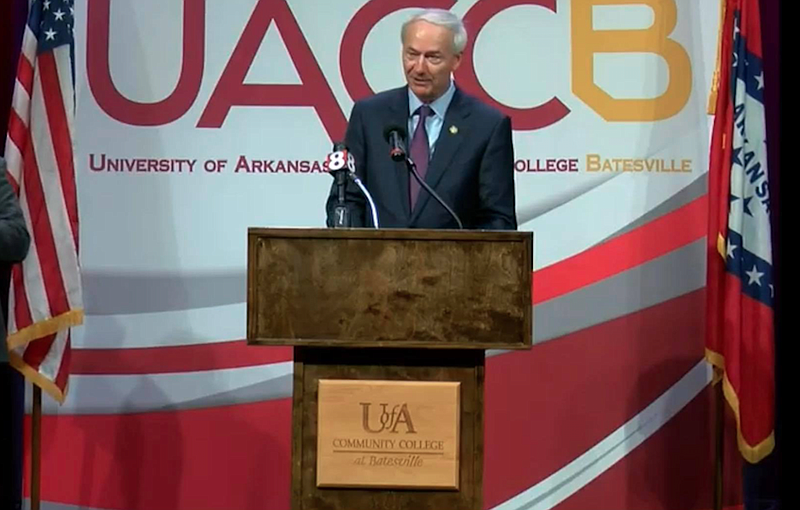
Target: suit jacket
[472, 167]
[14, 243]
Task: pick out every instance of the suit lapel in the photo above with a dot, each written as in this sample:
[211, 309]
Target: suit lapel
[398, 115]
[446, 147]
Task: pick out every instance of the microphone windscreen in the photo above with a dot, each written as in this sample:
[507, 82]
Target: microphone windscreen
[399, 129]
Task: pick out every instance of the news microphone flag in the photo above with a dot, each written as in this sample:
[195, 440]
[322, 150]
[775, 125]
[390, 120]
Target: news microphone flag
[339, 159]
[45, 298]
[740, 288]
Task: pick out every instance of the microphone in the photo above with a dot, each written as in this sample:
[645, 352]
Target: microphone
[343, 165]
[337, 167]
[396, 135]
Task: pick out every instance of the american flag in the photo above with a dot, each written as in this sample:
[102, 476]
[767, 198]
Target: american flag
[45, 297]
[740, 335]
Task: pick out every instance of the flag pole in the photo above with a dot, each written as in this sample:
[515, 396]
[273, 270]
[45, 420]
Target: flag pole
[36, 447]
[719, 436]
[719, 397]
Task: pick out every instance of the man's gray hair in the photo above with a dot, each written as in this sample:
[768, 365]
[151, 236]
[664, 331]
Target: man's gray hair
[445, 19]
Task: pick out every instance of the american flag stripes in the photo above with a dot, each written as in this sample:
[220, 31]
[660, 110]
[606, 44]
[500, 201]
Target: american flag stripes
[45, 297]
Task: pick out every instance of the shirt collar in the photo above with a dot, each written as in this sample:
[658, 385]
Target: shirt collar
[439, 106]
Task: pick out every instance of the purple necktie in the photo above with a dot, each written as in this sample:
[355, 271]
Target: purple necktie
[419, 153]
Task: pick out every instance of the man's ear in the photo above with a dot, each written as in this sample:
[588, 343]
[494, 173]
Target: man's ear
[457, 62]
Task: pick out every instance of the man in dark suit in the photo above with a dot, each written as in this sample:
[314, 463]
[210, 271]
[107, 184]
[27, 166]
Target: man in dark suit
[463, 147]
[14, 243]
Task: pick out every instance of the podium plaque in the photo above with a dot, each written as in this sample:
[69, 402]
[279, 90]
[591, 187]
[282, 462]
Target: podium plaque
[388, 434]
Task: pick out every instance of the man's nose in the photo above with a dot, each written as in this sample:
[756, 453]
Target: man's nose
[419, 64]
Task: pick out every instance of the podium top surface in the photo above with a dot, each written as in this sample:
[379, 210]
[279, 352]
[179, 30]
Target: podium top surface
[465, 289]
[389, 233]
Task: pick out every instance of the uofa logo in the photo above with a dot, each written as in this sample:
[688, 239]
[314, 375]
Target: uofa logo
[389, 421]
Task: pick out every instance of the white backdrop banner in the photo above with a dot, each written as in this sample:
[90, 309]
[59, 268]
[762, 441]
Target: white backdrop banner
[198, 119]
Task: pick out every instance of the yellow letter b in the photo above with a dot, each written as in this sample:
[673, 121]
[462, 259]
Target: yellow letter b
[586, 42]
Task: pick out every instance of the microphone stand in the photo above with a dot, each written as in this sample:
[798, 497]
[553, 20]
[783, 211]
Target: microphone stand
[341, 214]
[413, 168]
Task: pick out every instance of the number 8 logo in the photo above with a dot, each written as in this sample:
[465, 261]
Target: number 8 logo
[336, 161]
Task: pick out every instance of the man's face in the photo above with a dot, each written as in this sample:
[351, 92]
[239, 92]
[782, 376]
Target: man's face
[428, 59]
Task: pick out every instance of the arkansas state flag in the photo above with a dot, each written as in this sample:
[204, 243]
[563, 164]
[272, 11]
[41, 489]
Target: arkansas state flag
[740, 338]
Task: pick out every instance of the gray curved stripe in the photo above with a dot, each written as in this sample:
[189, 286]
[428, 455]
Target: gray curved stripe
[662, 279]
[113, 293]
[121, 394]
[693, 191]
[669, 276]
[109, 294]
[273, 389]
[50, 505]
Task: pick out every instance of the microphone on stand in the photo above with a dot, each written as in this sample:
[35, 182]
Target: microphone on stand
[395, 136]
[337, 167]
[342, 164]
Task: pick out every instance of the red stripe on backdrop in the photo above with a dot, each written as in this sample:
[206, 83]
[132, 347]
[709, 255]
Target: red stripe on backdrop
[222, 457]
[577, 390]
[43, 235]
[580, 388]
[182, 358]
[672, 470]
[654, 239]
[59, 132]
[643, 244]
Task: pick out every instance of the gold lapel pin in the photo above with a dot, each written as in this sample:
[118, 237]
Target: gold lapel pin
[453, 130]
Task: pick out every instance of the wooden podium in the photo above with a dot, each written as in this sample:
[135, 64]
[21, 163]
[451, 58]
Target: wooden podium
[389, 329]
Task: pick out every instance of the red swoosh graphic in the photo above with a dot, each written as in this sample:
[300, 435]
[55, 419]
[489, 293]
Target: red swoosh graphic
[645, 243]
